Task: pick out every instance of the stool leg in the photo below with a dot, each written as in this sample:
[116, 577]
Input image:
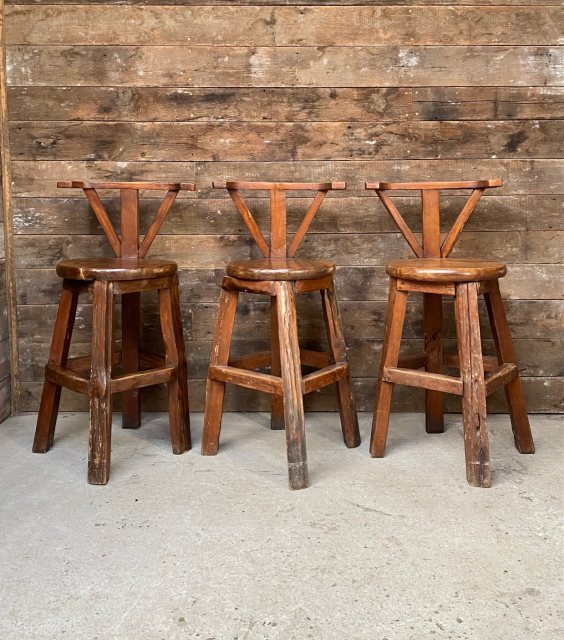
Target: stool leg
[100, 432]
[434, 400]
[130, 337]
[338, 349]
[390, 353]
[171, 326]
[505, 353]
[215, 390]
[277, 403]
[58, 354]
[474, 413]
[292, 386]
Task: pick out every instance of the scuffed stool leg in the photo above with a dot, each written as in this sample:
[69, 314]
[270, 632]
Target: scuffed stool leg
[215, 390]
[277, 402]
[292, 386]
[434, 400]
[171, 325]
[476, 443]
[390, 353]
[130, 337]
[60, 344]
[506, 353]
[100, 431]
[338, 349]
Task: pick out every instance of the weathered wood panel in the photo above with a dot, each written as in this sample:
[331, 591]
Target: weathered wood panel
[286, 104]
[277, 90]
[490, 103]
[281, 142]
[228, 66]
[72, 215]
[271, 3]
[283, 26]
[522, 177]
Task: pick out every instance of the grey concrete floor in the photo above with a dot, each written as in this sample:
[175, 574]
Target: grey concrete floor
[218, 548]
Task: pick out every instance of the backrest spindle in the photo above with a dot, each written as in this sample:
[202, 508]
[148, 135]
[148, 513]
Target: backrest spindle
[278, 247]
[127, 244]
[430, 246]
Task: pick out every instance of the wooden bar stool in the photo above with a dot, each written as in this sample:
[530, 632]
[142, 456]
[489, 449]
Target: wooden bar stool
[128, 274]
[280, 275]
[434, 274]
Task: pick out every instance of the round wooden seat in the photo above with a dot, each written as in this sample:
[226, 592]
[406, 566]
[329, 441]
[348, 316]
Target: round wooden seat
[445, 270]
[118, 269]
[279, 269]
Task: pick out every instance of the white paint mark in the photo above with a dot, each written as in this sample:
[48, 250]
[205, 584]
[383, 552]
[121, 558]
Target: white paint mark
[407, 58]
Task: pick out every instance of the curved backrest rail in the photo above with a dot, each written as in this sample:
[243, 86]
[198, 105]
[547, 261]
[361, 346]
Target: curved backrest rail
[127, 244]
[431, 246]
[278, 247]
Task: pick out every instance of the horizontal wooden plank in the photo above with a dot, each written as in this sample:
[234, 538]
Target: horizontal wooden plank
[521, 177]
[344, 249]
[537, 357]
[285, 104]
[489, 103]
[533, 176]
[542, 395]
[222, 66]
[145, 104]
[63, 215]
[282, 26]
[271, 3]
[278, 142]
[423, 380]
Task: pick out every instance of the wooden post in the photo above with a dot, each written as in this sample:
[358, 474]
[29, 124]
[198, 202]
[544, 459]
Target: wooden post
[433, 312]
[292, 386]
[100, 432]
[215, 389]
[476, 444]
[277, 402]
[58, 354]
[338, 350]
[177, 386]
[397, 301]
[130, 308]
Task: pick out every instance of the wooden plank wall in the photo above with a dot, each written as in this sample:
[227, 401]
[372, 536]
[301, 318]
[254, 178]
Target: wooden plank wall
[5, 382]
[186, 90]
[5, 351]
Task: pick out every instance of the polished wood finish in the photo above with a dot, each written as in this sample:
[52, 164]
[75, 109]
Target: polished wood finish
[281, 276]
[128, 274]
[280, 269]
[114, 269]
[445, 270]
[433, 274]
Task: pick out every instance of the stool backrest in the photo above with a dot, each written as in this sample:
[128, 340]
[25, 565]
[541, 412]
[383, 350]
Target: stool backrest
[127, 245]
[431, 246]
[278, 247]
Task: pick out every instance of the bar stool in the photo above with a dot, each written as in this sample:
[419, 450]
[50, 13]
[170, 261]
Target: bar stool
[128, 274]
[434, 274]
[280, 275]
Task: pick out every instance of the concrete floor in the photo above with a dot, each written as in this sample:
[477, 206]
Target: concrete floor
[218, 548]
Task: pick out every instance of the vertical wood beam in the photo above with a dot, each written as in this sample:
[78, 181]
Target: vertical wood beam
[10, 267]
